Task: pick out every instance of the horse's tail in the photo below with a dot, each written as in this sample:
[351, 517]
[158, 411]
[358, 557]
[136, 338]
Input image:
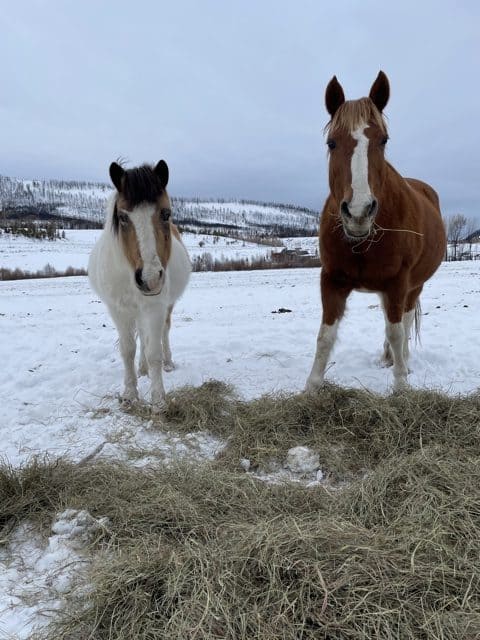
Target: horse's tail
[418, 316]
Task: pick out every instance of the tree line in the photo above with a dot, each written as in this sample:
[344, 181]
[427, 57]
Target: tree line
[463, 236]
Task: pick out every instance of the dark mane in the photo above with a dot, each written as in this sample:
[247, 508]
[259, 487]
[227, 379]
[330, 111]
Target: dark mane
[141, 184]
[115, 220]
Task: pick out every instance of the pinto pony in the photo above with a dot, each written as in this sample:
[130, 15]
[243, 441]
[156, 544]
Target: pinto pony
[139, 267]
[379, 232]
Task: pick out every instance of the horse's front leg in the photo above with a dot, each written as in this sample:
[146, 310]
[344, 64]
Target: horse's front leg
[153, 322]
[168, 364]
[334, 298]
[127, 342]
[396, 334]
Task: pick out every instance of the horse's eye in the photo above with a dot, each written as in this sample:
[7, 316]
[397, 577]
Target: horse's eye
[384, 141]
[331, 144]
[124, 219]
[165, 214]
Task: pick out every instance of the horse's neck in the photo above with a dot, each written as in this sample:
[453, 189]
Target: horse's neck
[392, 172]
[393, 193]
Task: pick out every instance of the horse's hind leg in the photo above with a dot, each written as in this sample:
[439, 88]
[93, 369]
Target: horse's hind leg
[387, 356]
[408, 318]
[168, 364]
[394, 305]
[142, 365]
[333, 301]
[411, 316]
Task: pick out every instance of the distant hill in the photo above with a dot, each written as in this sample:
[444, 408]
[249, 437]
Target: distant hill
[85, 201]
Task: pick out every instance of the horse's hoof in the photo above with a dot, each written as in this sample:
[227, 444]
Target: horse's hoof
[314, 384]
[400, 385]
[168, 366]
[158, 407]
[127, 403]
[130, 393]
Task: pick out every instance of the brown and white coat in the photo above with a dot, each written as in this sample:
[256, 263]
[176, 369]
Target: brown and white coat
[139, 267]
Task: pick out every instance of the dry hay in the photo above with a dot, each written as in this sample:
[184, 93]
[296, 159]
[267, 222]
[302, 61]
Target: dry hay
[207, 552]
[352, 430]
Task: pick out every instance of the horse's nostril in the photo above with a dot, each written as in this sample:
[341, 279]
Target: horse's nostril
[344, 209]
[160, 273]
[373, 207]
[138, 277]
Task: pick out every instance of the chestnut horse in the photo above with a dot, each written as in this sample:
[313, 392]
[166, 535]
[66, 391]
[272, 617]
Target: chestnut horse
[139, 267]
[379, 232]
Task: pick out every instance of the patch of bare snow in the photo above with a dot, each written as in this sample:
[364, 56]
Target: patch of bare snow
[302, 460]
[35, 574]
[301, 466]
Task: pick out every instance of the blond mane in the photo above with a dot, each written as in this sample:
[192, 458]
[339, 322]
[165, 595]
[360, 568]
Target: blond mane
[352, 113]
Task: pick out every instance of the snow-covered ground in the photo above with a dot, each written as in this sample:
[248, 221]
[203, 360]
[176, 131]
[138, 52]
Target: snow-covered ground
[61, 368]
[61, 372]
[73, 251]
[35, 574]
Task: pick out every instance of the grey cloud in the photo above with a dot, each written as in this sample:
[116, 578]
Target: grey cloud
[231, 94]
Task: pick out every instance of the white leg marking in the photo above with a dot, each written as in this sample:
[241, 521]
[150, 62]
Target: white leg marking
[387, 354]
[407, 320]
[395, 333]
[387, 351]
[325, 341]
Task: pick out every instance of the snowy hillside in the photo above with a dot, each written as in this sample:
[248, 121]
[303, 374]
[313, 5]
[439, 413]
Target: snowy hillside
[86, 201]
[280, 219]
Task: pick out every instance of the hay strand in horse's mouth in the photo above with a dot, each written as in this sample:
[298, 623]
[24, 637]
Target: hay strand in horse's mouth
[377, 226]
[372, 240]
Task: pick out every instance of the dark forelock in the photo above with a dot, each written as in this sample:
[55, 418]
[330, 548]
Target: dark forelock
[141, 184]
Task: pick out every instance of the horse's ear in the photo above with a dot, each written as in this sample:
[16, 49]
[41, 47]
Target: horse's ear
[380, 91]
[161, 169]
[116, 174]
[334, 96]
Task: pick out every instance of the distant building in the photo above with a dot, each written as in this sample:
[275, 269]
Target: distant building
[293, 256]
[473, 237]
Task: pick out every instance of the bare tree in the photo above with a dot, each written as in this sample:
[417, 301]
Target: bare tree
[456, 225]
[470, 229]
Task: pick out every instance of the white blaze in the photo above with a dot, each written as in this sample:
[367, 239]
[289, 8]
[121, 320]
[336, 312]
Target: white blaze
[142, 221]
[361, 195]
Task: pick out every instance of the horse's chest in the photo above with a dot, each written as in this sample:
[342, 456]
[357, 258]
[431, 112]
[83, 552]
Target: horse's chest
[364, 275]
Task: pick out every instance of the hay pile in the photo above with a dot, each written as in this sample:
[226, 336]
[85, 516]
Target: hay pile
[352, 430]
[209, 553]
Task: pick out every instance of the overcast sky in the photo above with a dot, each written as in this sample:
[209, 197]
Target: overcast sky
[231, 94]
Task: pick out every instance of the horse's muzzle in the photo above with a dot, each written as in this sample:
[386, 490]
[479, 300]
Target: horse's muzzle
[359, 226]
[150, 288]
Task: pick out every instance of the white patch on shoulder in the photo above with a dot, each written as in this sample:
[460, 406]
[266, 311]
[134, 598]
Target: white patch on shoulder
[361, 195]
